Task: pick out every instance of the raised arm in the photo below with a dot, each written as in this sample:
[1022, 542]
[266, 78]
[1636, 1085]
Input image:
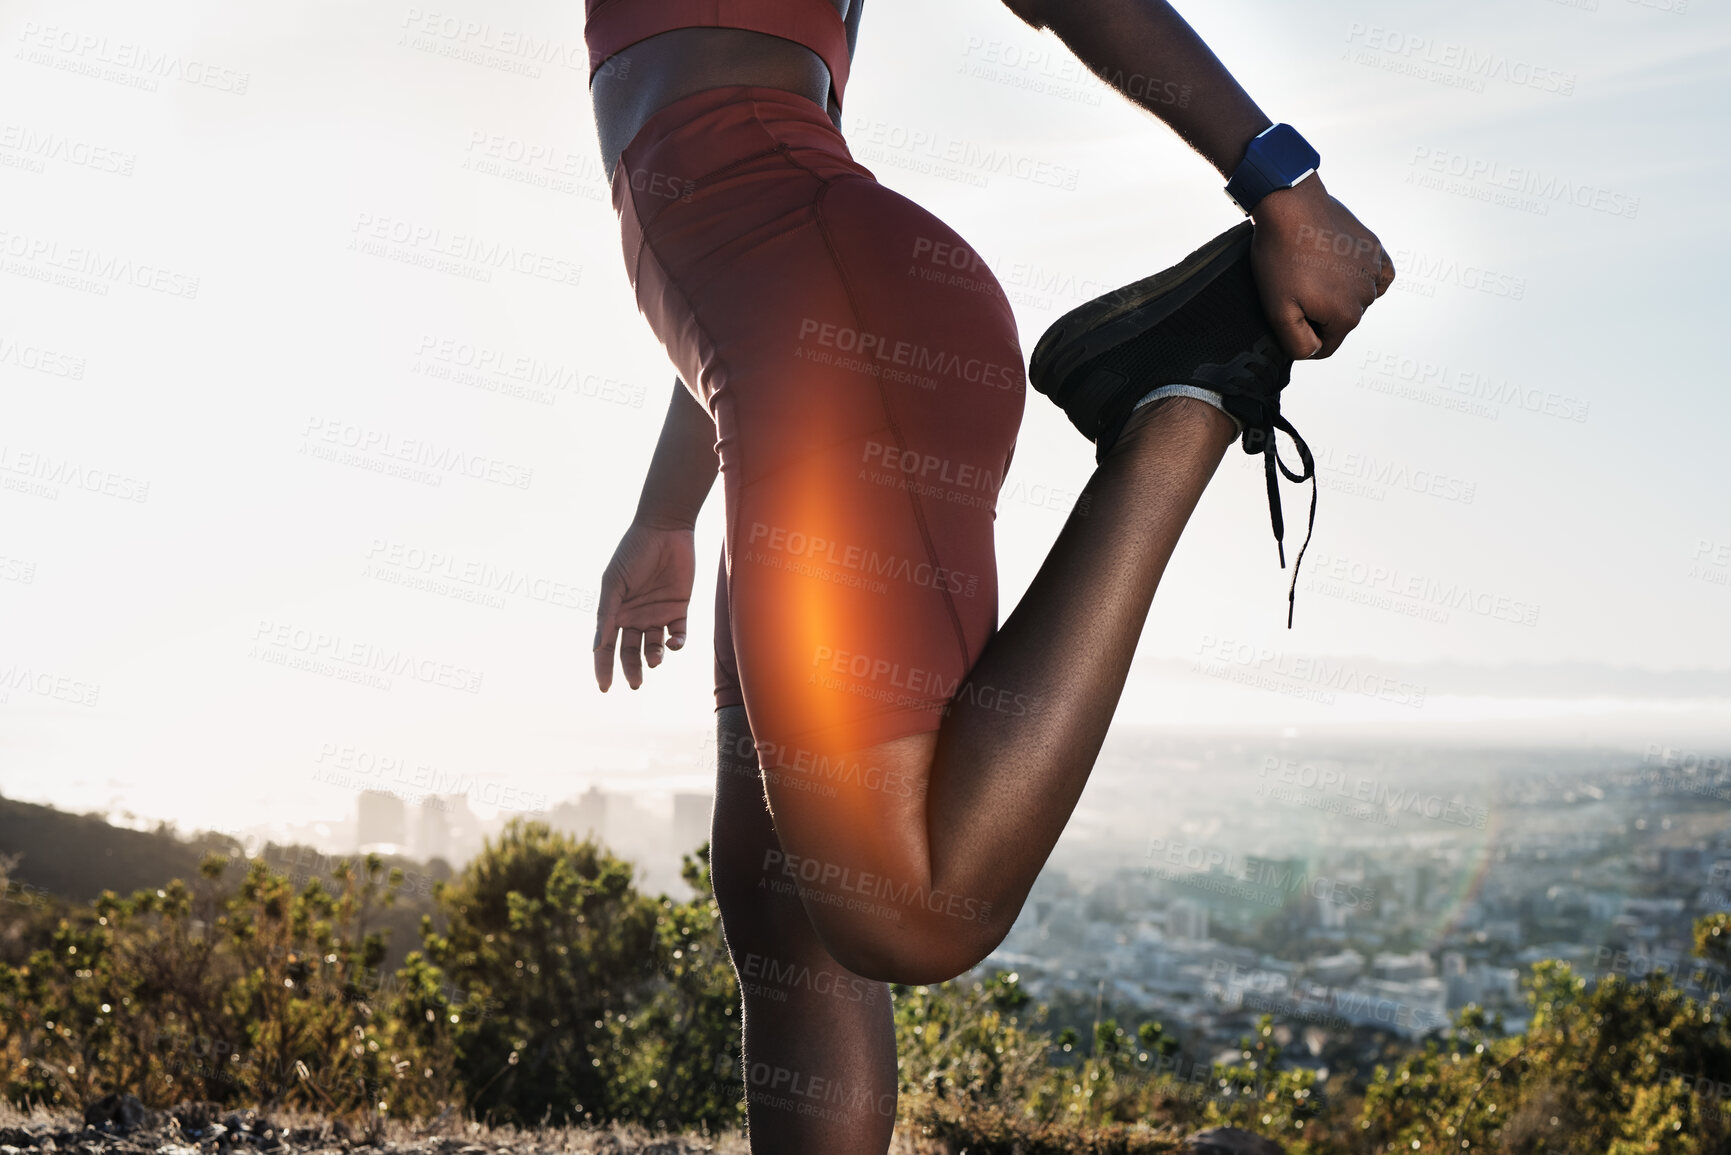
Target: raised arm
[1313, 294]
[852, 22]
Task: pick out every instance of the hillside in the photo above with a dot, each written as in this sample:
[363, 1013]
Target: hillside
[75, 857]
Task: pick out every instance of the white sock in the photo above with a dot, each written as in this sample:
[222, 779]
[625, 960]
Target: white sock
[1200, 394]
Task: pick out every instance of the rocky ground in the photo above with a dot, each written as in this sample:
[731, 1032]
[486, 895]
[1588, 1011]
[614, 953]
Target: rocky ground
[121, 1125]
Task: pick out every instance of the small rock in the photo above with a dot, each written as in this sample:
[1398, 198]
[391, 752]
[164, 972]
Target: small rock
[247, 1122]
[117, 1112]
[1231, 1141]
[194, 1118]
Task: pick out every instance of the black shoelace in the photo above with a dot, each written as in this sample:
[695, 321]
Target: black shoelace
[1271, 461]
[1260, 371]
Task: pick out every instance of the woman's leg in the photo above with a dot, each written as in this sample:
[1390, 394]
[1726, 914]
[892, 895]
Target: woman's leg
[820, 1061]
[862, 366]
[947, 870]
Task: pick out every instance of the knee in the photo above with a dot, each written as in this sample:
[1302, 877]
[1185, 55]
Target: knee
[749, 911]
[912, 943]
[913, 950]
[760, 913]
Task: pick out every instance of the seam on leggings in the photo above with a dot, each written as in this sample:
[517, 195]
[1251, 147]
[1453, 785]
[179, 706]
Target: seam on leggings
[740, 453]
[648, 246]
[776, 148]
[696, 115]
[889, 413]
[715, 174]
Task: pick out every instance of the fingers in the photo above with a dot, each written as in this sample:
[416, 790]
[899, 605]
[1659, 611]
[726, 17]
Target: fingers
[606, 635]
[631, 656]
[634, 648]
[1293, 331]
[1373, 281]
[1335, 329]
[603, 656]
[1374, 276]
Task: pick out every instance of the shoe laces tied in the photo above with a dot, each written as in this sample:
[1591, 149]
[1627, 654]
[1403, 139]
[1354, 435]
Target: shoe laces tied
[1260, 371]
[1271, 461]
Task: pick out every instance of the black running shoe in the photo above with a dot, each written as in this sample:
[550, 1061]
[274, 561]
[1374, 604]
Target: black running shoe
[1199, 323]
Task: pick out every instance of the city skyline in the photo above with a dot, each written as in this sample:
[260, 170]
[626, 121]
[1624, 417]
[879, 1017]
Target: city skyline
[1500, 484]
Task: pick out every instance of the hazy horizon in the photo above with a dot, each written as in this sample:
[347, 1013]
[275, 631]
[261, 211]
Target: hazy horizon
[1517, 536]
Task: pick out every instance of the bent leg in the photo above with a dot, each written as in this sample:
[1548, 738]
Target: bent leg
[820, 1067]
[862, 367]
[1003, 772]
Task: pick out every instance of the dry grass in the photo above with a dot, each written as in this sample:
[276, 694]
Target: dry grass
[301, 1133]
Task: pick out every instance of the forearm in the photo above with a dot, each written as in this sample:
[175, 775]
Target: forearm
[683, 469]
[1147, 51]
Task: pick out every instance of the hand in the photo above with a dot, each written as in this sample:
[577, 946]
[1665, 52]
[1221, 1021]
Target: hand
[1318, 268]
[645, 590]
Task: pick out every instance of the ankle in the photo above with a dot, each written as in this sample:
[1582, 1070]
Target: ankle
[1175, 415]
[1206, 396]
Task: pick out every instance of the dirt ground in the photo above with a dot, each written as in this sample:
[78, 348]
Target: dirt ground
[121, 1125]
[195, 1129]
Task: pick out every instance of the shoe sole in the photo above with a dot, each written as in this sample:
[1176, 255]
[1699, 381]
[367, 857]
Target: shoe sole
[1124, 314]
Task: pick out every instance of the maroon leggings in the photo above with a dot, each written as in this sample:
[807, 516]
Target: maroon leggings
[861, 365]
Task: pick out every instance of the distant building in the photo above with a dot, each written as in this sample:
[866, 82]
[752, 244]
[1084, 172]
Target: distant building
[584, 817]
[1505, 930]
[1024, 932]
[433, 829]
[1099, 936]
[466, 832]
[1412, 1009]
[1653, 908]
[1065, 924]
[381, 821]
[690, 822]
[1335, 969]
[1331, 915]
[1402, 968]
[1482, 984]
[1683, 861]
[1187, 921]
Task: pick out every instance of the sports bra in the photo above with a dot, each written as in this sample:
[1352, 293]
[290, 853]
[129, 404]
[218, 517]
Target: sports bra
[611, 26]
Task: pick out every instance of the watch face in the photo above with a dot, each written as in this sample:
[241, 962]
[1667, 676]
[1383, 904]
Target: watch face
[1277, 159]
[1286, 156]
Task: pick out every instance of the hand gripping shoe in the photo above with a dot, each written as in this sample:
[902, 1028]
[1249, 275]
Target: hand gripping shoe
[1198, 324]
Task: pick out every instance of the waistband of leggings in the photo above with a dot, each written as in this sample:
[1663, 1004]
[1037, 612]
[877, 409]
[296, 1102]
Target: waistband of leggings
[689, 114]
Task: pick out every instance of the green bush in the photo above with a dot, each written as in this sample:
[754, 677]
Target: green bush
[190, 993]
[583, 999]
[555, 992]
[548, 989]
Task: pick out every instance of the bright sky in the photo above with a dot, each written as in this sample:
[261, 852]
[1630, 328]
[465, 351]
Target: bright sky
[216, 227]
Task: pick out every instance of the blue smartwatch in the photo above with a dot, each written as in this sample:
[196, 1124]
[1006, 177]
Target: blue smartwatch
[1278, 158]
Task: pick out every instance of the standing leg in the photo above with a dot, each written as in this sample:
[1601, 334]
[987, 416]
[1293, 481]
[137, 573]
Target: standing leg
[820, 1062]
